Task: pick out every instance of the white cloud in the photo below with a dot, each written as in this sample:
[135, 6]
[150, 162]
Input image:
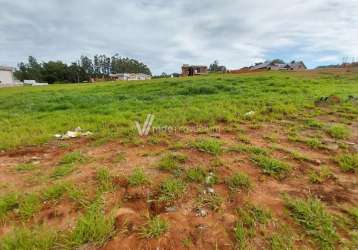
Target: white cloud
[166, 34]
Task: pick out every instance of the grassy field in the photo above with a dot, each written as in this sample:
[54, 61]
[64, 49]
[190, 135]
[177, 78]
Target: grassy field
[279, 171]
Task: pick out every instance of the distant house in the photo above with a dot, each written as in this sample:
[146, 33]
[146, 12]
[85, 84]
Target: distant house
[7, 76]
[193, 70]
[130, 76]
[269, 65]
[34, 83]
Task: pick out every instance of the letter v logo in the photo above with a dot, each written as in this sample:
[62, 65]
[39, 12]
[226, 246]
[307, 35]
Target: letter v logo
[146, 127]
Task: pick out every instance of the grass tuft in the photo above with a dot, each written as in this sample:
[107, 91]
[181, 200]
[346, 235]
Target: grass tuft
[94, 226]
[339, 131]
[239, 181]
[312, 215]
[348, 163]
[25, 167]
[321, 175]
[171, 189]
[29, 239]
[138, 178]
[196, 174]
[210, 146]
[272, 167]
[154, 228]
[171, 162]
[29, 205]
[104, 180]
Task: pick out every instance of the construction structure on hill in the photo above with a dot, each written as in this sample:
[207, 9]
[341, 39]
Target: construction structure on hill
[194, 70]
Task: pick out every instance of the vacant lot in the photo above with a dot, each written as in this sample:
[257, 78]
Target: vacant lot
[279, 171]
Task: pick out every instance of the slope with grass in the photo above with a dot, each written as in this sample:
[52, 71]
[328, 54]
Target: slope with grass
[280, 177]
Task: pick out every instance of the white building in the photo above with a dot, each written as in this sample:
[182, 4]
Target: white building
[7, 76]
[130, 76]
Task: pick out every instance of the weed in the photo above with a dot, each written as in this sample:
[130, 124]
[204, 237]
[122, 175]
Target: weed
[171, 189]
[281, 240]
[241, 148]
[196, 174]
[154, 228]
[138, 178]
[312, 215]
[209, 200]
[210, 146]
[348, 162]
[29, 239]
[211, 179]
[339, 131]
[29, 205]
[25, 167]
[171, 162]
[272, 167]
[63, 170]
[54, 192]
[314, 143]
[120, 157]
[72, 158]
[312, 123]
[320, 176]
[8, 202]
[243, 139]
[216, 163]
[104, 180]
[240, 234]
[92, 227]
[239, 181]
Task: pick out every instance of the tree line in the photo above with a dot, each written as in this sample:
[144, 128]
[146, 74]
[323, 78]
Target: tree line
[83, 70]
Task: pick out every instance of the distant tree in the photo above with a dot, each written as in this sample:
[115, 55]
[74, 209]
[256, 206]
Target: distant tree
[278, 61]
[214, 67]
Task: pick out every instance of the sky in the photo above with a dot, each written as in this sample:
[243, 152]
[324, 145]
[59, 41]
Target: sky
[165, 34]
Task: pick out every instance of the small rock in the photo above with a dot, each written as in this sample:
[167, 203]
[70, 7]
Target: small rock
[210, 190]
[201, 212]
[170, 209]
[332, 146]
[318, 162]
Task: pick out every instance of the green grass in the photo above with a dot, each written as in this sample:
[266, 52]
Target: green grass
[154, 228]
[321, 175]
[196, 174]
[104, 180]
[94, 226]
[73, 158]
[172, 162]
[29, 205]
[8, 202]
[25, 167]
[348, 162]
[314, 218]
[249, 218]
[68, 164]
[29, 239]
[211, 201]
[339, 131]
[180, 101]
[138, 178]
[210, 146]
[171, 190]
[54, 192]
[272, 167]
[239, 181]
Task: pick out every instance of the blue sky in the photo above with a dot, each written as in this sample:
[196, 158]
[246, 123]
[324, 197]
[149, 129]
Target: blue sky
[167, 34]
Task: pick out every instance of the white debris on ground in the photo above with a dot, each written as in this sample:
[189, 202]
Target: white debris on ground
[251, 113]
[73, 134]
